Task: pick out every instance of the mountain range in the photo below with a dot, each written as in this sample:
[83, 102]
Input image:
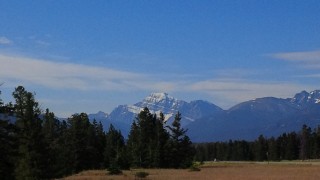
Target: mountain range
[207, 122]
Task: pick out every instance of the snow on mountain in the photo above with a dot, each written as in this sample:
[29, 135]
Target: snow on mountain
[98, 115]
[269, 116]
[304, 98]
[156, 103]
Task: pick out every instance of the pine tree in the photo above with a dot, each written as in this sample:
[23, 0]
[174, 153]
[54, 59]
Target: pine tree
[261, 149]
[115, 152]
[52, 133]
[305, 136]
[182, 151]
[80, 135]
[8, 146]
[31, 162]
[316, 148]
[162, 139]
[148, 142]
[133, 145]
[99, 143]
[146, 139]
[273, 150]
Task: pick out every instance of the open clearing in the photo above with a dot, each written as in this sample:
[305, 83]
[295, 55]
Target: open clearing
[218, 170]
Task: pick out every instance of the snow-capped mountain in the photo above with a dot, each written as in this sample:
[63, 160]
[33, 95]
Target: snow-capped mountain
[305, 99]
[207, 122]
[156, 103]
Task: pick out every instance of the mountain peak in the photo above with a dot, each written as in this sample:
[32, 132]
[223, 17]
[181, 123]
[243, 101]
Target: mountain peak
[158, 97]
[305, 97]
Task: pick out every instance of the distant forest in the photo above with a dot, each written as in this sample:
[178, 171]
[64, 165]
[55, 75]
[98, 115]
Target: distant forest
[303, 145]
[36, 145]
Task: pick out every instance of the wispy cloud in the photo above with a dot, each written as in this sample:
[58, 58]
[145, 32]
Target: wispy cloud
[225, 91]
[299, 56]
[59, 75]
[238, 90]
[5, 41]
[42, 43]
[63, 75]
[307, 59]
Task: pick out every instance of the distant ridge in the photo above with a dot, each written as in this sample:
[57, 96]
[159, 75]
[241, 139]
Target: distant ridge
[269, 116]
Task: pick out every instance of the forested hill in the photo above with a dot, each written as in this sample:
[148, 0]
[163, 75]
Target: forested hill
[39, 146]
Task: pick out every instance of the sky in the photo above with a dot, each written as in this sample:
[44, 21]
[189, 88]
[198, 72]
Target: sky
[89, 56]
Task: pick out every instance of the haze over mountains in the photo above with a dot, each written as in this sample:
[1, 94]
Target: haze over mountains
[207, 122]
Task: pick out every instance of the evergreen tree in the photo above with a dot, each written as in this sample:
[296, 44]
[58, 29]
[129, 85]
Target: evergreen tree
[53, 133]
[133, 145]
[99, 143]
[305, 138]
[144, 119]
[316, 146]
[273, 150]
[148, 142]
[31, 163]
[80, 135]
[7, 148]
[261, 149]
[162, 139]
[182, 151]
[115, 151]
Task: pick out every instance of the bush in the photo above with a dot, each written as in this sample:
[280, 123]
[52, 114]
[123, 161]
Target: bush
[195, 167]
[114, 170]
[141, 174]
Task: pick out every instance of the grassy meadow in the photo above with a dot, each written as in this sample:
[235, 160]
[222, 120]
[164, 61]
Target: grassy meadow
[307, 170]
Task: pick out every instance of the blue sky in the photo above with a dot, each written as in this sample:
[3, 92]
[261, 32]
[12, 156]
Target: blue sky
[86, 56]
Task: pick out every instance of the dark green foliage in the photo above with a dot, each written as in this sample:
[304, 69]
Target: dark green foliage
[114, 169]
[144, 140]
[7, 150]
[261, 149]
[288, 146]
[31, 163]
[81, 139]
[141, 174]
[115, 150]
[99, 144]
[151, 145]
[181, 151]
[8, 144]
[305, 143]
[195, 167]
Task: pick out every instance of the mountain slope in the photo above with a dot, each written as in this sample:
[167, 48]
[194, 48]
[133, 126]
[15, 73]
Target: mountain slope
[268, 116]
[123, 116]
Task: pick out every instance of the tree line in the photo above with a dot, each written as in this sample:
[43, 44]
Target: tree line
[289, 146]
[39, 146]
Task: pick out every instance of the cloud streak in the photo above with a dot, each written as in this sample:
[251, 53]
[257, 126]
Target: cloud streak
[238, 90]
[307, 59]
[5, 41]
[63, 75]
[225, 91]
[58, 75]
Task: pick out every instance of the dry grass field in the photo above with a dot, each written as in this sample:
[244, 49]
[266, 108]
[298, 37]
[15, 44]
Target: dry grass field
[218, 170]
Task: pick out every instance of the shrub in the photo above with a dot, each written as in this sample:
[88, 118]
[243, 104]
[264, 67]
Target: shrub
[141, 174]
[194, 167]
[114, 170]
